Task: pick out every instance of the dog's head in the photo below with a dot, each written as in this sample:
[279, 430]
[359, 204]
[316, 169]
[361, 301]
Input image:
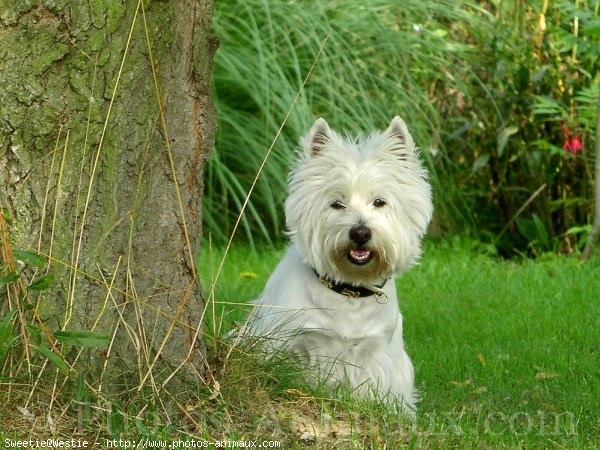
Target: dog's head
[358, 208]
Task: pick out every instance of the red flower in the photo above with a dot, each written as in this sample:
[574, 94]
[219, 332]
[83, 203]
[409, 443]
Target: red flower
[572, 143]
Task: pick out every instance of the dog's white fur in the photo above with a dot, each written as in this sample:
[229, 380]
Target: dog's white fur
[337, 184]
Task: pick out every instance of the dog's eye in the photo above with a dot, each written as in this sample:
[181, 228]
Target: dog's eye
[379, 203]
[338, 205]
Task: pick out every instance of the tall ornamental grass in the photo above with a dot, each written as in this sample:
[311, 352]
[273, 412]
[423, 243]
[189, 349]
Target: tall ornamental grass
[501, 97]
[378, 59]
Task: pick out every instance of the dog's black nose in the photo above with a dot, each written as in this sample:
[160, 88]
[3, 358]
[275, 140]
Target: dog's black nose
[360, 234]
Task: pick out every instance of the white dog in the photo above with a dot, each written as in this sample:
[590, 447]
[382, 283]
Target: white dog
[356, 213]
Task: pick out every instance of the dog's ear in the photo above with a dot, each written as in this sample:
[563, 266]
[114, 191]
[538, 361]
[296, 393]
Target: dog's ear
[317, 137]
[398, 139]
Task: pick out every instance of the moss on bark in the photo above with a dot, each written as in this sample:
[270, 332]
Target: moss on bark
[59, 64]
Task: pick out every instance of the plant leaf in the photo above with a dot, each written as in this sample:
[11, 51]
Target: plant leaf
[592, 29]
[542, 233]
[6, 345]
[41, 283]
[502, 138]
[6, 325]
[480, 162]
[35, 333]
[89, 339]
[115, 420]
[8, 278]
[7, 338]
[54, 358]
[29, 258]
[580, 229]
[6, 213]
[81, 390]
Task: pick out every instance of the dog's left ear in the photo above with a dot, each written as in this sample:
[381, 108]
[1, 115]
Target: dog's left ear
[317, 137]
[398, 139]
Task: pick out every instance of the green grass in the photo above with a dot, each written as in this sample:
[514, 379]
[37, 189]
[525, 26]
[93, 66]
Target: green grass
[506, 356]
[506, 353]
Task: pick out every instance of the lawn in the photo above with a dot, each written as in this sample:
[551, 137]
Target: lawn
[507, 353]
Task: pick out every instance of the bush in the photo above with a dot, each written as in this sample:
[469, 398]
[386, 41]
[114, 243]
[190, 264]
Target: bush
[527, 127]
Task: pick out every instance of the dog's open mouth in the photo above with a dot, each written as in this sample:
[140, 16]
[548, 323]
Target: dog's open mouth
[360, 256]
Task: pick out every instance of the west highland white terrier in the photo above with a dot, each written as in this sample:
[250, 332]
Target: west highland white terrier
[356, 213]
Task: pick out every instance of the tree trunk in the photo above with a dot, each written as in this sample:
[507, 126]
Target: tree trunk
[589, 246]
[99, 180]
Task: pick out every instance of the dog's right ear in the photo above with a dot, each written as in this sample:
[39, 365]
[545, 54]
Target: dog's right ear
[398, 139]
[317, 137]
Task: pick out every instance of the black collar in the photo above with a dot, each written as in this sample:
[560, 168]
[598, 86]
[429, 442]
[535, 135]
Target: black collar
[348, 289]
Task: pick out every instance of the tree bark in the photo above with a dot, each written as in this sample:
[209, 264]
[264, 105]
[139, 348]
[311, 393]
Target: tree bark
[589, 246]
[102, 179]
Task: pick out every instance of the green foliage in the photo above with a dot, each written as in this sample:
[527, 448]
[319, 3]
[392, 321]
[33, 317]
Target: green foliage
[8, 278]
[115, 421]
[40, 284]
[89, 339]
[55, 358]
[534, 230]
[7, 334]
[501, 98]
[533, 98]
[29, 258]
[377, 61]
[21, 288]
